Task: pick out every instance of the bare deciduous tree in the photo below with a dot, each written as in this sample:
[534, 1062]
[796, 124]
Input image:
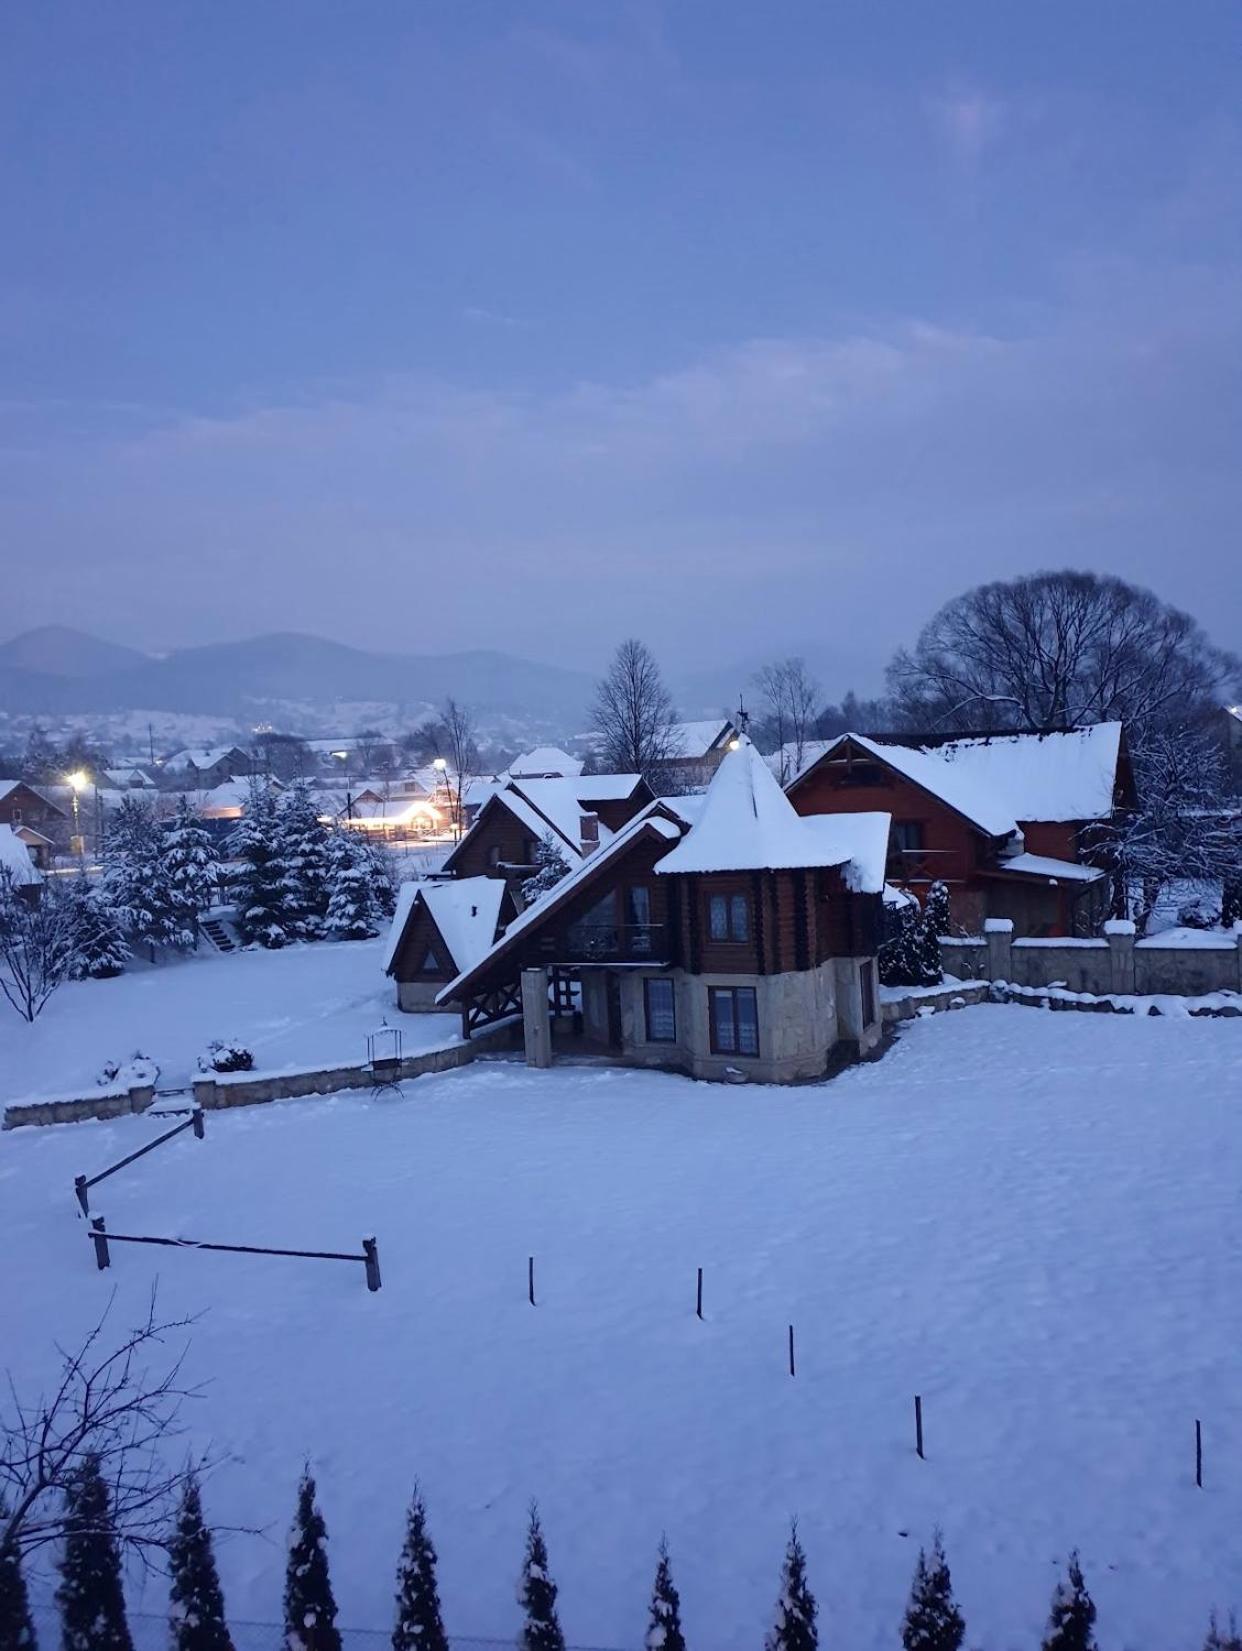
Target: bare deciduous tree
[634, 713]
[109, 1405]
[791, 699]
[1053, 650]
[460, 752]
[37, 934]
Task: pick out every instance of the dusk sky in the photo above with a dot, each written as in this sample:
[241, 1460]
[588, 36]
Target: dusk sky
[744, 328]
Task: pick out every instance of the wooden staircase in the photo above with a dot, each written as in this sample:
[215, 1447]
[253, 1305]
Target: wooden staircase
[218, 933]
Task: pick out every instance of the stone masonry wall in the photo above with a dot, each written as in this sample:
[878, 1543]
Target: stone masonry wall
[1117, 964]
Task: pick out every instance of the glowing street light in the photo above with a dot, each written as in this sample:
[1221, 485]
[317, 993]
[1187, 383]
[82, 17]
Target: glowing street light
[78, 781]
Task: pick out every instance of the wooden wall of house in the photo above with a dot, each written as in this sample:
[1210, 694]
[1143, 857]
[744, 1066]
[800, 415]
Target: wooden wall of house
[634, 868]
[421, 936]
[1058, 838]
[615, 812]
[496, 829]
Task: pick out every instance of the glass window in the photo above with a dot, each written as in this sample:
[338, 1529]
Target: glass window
[493, 855]
[718, 917]
[734, 1016]
[723, 1033]
[728, 917]
[430, 966]
[739, 918]
[638, 904]
[867, 985]
[907, 835]
[661, 1011]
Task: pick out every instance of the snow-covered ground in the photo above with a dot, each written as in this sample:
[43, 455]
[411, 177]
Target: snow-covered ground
[307, 1006]
[1030, 1219]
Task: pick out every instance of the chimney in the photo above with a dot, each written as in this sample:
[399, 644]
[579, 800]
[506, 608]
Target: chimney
[588, 833]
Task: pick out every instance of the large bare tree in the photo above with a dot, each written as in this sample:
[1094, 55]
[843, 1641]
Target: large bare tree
[1052, 650]
[633, 713]
[791, 700]
[459, 750]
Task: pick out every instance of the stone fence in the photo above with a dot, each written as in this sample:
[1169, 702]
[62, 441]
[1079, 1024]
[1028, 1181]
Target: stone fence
[222, 1089]
[1188, 963]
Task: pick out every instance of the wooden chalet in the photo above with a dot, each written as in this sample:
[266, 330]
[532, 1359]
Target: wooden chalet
[440, 929]
[579, 815]
[695, 752]
[1004, 820]
[722, 936]
[35, 818]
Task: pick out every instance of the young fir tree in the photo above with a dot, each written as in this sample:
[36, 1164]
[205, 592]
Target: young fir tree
[794, 1628]
[933, 1621]
[419, 1626]
[550, 867]
[310, 1609]
[353, 910]
[16, 1627]
[302, 851]
[90, 1596]
[1072, 1618]
[1229, 1640]
[664, 1630]
[135, 880]
[256, 883]
[192, 868]
[196, 1615]
[541, 1631]
[99, 947]
[901, 954]
[382, 872]
[935, 923]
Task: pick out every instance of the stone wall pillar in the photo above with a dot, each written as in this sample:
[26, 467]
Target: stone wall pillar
[998, 932]
[1237, 929]
[1119, 932]
[536, 1019]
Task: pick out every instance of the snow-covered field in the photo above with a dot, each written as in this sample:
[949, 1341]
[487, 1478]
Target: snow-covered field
[1030, 1219]
[309, 1005]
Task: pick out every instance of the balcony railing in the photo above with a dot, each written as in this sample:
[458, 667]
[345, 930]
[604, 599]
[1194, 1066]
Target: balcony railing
[918, 865]
[608, 943]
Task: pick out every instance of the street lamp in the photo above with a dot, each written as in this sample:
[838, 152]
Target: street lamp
[77, 780]
[441, 768]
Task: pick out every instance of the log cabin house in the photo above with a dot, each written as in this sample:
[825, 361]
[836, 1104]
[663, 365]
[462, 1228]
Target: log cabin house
[722, 935]
[441, 929]
[34, 817]
[1004, 820]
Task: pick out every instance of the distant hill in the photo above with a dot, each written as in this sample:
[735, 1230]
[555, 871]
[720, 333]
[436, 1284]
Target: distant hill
[39, 675]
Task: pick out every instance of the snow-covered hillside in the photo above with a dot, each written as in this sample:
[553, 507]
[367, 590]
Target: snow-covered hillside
[1029, 1219]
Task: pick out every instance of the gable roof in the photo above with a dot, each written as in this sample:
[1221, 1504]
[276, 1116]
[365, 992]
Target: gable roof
[15, 859]
[997, 780]
[466, 911]
[690, 740]
[546, 761]
[196, 757]
[747, 823]
[7, 787]
[554, 807]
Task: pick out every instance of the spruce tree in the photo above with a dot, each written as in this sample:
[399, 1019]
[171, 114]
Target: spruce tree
[196, 1615]
[90, 1596]
[933, 1621]
[794, 1628]
[900, 955]
[541, 1631]
[664, 1630]
[382, 871]
[302, 851]
[935, 923]
[135, 881]
[1072, 1618]
[191, 868]
[550, 867]
[99, 947]
[16, 1627]
[419, 1626]
[310, 1609]
[353, 910]
[256, 882]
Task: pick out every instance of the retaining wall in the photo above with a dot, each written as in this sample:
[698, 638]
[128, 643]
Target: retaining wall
[1191, 965]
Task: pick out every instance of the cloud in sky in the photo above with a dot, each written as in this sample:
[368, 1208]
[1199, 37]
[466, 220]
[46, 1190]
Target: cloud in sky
[969, 122]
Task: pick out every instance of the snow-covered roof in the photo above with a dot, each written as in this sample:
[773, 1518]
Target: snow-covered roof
[133, 777]
[546, 762]
[200, 758]
[688, 740]
[747, 823]
[559, 802]
[466, 911]
[15, 858]
[1043, 865]
[606, 788]
[6, 786]
[997, 780]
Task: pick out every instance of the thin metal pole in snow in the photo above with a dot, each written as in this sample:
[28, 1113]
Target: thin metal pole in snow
[530, 1281]
[791, 1351]
[918, 1427]
[698, 1306]
[1199, 1453]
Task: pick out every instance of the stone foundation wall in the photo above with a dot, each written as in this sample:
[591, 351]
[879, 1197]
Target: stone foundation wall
[1118, 964]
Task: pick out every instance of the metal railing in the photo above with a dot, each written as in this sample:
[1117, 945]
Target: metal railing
[610, 942]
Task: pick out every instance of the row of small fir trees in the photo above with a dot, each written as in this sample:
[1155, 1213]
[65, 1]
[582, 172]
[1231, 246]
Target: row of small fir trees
[93, 1618]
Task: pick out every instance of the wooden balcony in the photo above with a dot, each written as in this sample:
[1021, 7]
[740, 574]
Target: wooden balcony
[608, 943]
[920, 865]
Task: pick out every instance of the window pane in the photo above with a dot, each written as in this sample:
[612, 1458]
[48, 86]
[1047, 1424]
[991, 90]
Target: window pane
[747, 1021]
[739, 908]
[719, 917]
[661, 1012]
[722, 1021]
[638, 903]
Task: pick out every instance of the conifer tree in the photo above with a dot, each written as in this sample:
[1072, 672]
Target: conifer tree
[90, 1596]
[933, 1621]
[382, 872]
[135, 881]
[900, 955]
[1072, 1618]
[196, 1617]
[310, 1609]
[353, 910]
[99, 947]
[191, 867]
[541, 1630]
[794, 1628]
[16, 1628]
[256, 883]
[550, 867]
[935, 923]
[664, 1630]
[302, 851]
[419, 1626]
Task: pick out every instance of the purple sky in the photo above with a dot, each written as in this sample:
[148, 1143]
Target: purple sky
[744, 328]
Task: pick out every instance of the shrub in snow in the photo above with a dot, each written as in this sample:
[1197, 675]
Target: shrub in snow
[794, 1628]
[90, 1597]
[196, 1613]
[255, 884]
[138, 1069]
[226, 1055]
[933, 1621]
[36, 945]
[419, 1626]
[16, 1628]
[1071, 1621]
[99, 949]
[192, 869]
[550, 867]
[1228, 1641]
[310, 1609]
[541, 1630]
[664, 1630]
